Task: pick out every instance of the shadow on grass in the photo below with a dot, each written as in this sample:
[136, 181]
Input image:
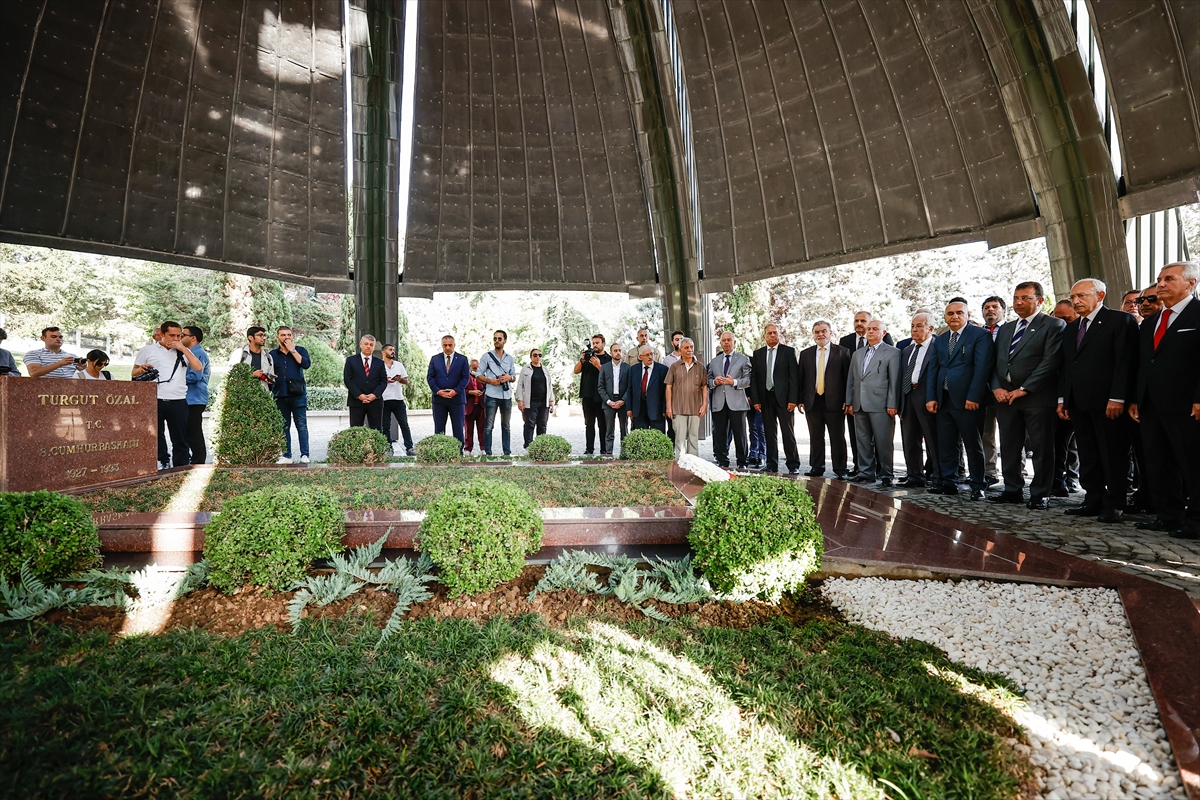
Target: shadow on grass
[509, 708]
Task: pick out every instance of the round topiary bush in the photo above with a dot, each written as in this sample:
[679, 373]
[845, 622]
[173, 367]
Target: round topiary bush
[756, 537]
[478, 534]
[439, 449]
[549, 449]
[647, 444]
[359, 445]
[250, 430]
[53, 532]
[269, 537]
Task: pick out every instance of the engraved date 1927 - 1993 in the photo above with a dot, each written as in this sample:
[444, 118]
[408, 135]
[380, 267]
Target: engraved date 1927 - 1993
[82, 472]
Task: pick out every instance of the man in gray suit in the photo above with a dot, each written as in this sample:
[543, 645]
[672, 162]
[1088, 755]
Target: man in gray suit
[873, 398]
[613, 383]
[728, 380]
[1025, 385]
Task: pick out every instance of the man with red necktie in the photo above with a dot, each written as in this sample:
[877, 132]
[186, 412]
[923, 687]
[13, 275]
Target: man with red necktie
[1168, 402]
[365, 378]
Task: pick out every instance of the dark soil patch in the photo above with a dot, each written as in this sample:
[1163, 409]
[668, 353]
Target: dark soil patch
[252, 608]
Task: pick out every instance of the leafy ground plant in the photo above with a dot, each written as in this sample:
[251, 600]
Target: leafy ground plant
[556, 487]
[512, 708]
[30, 597]
[405, 578]
[674, 582]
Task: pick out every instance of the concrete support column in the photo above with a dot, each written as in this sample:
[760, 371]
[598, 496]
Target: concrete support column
[1049, 104]
[377, 32]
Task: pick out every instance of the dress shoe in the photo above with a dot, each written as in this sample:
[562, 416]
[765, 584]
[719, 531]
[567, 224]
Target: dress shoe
[741, 467]
[794, 471]
[852, 471]
[1110, 516]
[1083, 511]
[1038, 504]
[885, 483]
[911, 483]
[1060, 490]
[841, 476]
[1156, 524]
[1007, 497]
[976, 494]
[1185, 533]
[991, 481]
[815, 473]
[862, 478]
[1072, 487]
[756, 467]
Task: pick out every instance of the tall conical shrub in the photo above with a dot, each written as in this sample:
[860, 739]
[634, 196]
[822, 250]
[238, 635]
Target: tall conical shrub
[250, 430]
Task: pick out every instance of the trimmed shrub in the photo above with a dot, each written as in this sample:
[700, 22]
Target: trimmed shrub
[439, 449]
[53, 532]
[250, 430]
[269, 537]
[326, 398]
[325, 365]
[549, 449]
[359, 445]
[756, 537]
[647, 444]
[478, 534]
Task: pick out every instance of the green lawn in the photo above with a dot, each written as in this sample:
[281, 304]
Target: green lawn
[412, 488]
[510, 708]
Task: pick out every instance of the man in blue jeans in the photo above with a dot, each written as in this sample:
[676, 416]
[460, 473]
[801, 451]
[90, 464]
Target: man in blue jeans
[291, 392]
[497, 372]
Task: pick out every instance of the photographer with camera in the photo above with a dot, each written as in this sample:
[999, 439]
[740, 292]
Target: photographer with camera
[252, 354]
[51, 361]
[93, 367]
[288, 362]
[591, 361]
[8, 365]
[170, 359]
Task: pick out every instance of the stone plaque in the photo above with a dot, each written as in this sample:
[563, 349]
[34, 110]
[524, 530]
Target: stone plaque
[59, 433]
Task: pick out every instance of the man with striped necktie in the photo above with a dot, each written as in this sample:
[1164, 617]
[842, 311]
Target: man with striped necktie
[1025, 385]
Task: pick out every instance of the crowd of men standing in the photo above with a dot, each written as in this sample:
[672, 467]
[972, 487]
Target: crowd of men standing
[1109, 397]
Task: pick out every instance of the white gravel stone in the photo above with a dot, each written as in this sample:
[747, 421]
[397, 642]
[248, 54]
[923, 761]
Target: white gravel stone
[1088, 712]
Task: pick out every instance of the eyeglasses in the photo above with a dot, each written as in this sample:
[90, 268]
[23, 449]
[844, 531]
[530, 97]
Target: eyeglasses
[1150, 298]
[535, 355]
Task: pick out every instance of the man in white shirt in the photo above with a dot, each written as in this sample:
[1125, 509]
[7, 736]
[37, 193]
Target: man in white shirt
[497, 372]
[613, 383]
[393, 398]
[51, 361]
[172, 359]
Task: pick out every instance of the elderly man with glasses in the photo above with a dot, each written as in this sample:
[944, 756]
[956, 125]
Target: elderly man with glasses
[535, 396]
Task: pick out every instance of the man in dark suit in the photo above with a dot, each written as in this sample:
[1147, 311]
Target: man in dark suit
[365, 378]
[1066, 453]
[964, 357]
[823, 370]
[854, 342]
[1025, 385]
[612, 398]
[1168, 402]
[917, 425]
[447, 376]
[646, 395]
[1099, 349]
[775, 391]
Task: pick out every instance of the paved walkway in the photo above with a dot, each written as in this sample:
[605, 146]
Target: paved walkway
[1174, 562]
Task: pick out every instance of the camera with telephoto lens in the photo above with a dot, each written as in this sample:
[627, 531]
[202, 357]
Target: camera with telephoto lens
[151, 374]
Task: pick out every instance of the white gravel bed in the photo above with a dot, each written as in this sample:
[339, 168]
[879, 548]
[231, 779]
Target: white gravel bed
[1089, 713]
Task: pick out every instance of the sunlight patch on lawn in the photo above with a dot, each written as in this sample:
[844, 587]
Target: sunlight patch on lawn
[627, 697]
